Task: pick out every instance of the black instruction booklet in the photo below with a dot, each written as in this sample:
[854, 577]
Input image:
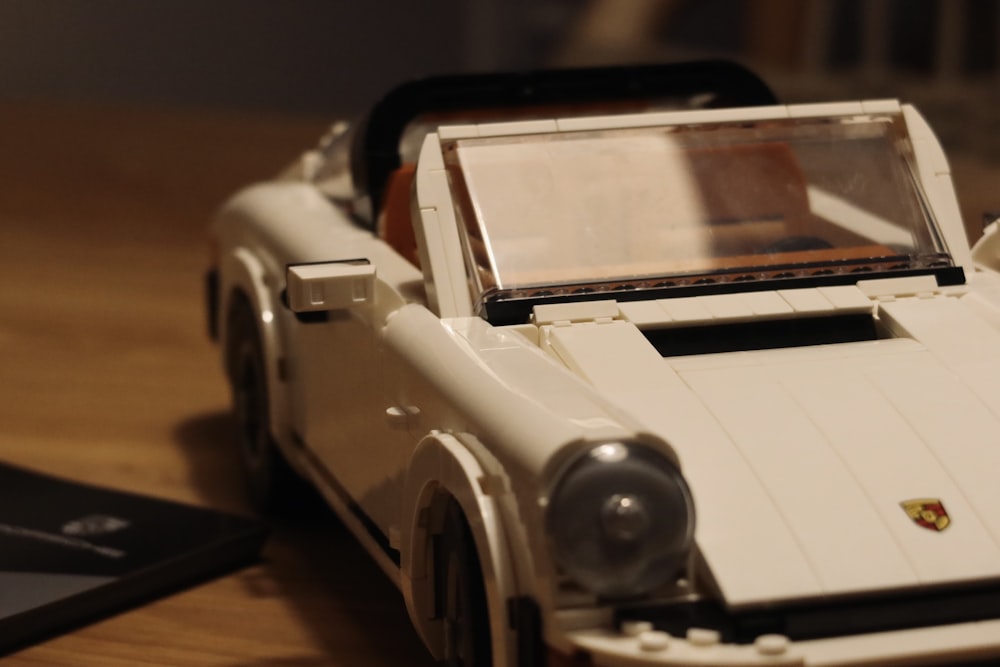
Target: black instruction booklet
[72, 553]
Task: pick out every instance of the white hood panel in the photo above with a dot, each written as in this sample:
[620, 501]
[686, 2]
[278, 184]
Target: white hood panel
[799, 459]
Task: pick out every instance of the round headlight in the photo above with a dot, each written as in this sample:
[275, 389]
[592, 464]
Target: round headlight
[621, 520]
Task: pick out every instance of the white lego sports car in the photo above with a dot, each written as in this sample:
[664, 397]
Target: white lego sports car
[632, 367]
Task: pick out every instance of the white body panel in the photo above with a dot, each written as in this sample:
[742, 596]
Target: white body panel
[810, 474]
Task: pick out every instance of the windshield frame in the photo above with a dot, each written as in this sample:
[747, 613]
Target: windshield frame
[842, 262]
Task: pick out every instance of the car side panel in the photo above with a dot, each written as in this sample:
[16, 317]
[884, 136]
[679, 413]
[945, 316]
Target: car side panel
[326, 378]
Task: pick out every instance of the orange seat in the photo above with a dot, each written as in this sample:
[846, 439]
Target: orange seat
[395, 226]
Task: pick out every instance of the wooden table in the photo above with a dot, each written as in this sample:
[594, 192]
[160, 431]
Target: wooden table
[108, 376]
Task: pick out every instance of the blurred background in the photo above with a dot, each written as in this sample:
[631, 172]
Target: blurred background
[333, 54]
[336, 57]
[324, 59]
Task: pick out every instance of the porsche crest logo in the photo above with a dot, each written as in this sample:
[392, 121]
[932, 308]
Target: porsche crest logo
[927, 513]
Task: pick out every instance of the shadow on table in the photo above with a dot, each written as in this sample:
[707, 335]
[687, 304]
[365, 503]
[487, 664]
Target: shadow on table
[311, 560]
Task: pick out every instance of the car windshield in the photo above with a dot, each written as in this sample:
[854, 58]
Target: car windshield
[682, 205]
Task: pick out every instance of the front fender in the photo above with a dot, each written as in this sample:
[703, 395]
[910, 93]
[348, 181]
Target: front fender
[242, 272]
[442, 466]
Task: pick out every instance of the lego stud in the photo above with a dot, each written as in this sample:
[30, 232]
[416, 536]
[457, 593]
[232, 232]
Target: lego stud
[654, 640]
[771, 644]
[703, 637]
[635, 628]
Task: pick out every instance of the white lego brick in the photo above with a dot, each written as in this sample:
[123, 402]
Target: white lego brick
[935, 176]
[958, 429]
[671, 118]
[730, 307]
[927, 150]
[767, 304]
[957, 334]
[888, 460]
[430, 159]
[444, 283]
[903, 286]
[575, 311]
[432, 189]
[699, 362]
[847, 298]
[329, 286]
[586, 349]
[437, 235]
[959, 643]
[450, 132]
[808, 301]
[981, 378]
[794, 355]
[940, 191]
[740, 530]
[432, 255]
[825, 109]
[686, 310]
[435, 192]
[644, 314]
[948, 327]
[733, 115]
[829, 514]
[591, 123]
[835, 351]
[517, 127]
[984, 299]
[714, 308]
[880, 106]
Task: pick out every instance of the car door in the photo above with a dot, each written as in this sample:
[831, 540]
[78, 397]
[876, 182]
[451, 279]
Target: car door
[339, 408]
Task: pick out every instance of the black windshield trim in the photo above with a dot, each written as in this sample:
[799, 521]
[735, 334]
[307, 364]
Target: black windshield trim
[500, 309]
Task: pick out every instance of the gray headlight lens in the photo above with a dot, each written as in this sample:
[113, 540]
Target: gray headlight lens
[621, 520]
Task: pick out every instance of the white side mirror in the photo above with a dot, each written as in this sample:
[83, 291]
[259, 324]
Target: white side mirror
[330, 285]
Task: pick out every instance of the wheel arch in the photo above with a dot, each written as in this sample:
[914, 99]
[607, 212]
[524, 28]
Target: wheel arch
[443, 468]
[242, 277]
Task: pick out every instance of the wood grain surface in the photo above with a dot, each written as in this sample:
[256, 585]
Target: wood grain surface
[107, 375]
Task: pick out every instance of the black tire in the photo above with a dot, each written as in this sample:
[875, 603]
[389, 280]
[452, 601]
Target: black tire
[272, 483]
[462, 595]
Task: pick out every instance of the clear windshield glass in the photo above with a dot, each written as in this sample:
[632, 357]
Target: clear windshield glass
[681, 205]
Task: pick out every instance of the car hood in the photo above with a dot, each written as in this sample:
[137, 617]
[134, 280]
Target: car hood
[826, 470]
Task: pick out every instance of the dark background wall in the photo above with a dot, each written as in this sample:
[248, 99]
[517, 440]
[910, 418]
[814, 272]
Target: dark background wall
[311, 55]
[337, 56]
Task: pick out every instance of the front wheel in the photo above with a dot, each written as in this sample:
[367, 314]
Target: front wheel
[273, 485]
[462, 595]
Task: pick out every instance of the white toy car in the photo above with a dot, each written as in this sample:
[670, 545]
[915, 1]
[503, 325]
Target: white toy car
[520, 331]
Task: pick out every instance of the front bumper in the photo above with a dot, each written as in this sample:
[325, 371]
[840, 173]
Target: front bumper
[637, 644]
